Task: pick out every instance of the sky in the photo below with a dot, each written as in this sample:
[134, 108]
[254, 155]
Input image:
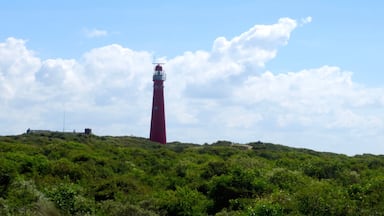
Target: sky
[304, 74]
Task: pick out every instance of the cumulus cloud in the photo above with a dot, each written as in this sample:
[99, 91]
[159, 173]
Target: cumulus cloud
[256, 46]
[223, 93]
[325, 96]
[17, 68]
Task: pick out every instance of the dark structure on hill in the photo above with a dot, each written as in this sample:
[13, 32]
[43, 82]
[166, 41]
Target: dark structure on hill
[87, 131]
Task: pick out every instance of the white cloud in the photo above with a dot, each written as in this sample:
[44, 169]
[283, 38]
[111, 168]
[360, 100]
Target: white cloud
[257, 45]
[306, 20]
[316, 97]
[17, 68]
[350, 119]
[224, 93]
[93, 33]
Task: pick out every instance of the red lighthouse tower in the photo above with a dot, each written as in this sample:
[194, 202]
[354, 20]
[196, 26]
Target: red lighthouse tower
[158, 133]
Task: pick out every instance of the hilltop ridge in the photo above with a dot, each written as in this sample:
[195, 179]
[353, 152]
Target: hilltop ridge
[58, 173]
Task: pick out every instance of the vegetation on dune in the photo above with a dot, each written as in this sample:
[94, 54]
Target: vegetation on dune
[74, 174]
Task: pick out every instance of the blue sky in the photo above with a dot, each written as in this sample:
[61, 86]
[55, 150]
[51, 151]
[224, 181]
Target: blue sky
[350, 31]
[313, 81]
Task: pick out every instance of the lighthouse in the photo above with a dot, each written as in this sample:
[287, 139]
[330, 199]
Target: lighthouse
[158, 133]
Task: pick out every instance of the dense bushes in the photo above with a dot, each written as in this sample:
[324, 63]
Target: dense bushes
[73, 174]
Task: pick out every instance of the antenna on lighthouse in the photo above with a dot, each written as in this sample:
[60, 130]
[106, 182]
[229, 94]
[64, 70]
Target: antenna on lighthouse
[159, 61]
[158, 73]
